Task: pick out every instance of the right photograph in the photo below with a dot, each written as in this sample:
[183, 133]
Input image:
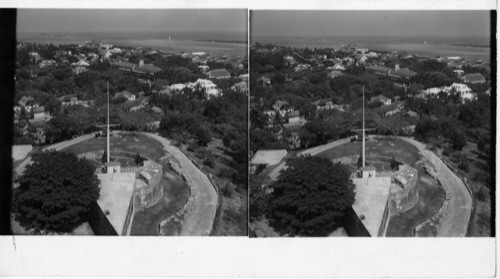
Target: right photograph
[372, 123]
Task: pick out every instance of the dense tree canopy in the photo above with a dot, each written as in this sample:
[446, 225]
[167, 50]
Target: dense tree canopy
[55, 192]
[310, 196]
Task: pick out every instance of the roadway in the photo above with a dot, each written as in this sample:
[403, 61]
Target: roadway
[456, 221]
[200, 217]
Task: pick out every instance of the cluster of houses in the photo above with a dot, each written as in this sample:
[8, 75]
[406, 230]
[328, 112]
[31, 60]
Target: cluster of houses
[84, 61]
[285, 117]
[35, 114]
[207, 85]
[286, 114]
[32, 107]
[463, 91]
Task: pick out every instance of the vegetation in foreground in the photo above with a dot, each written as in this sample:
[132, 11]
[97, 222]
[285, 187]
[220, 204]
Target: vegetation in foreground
[308, 199]
[55, 192]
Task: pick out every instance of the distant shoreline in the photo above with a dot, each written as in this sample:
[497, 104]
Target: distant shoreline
[421, 49]
[219, 37]
[232, 49]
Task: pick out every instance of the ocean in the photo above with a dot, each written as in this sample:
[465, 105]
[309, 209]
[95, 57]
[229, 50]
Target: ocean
[228, 43]
[469, 47]
[316, 41]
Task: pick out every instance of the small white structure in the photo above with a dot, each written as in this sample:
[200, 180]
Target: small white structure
[338, 67]
[106, 54]
[459, 72]
[205, 84]
[79, 69]
[463, 91]
[433, 91]
[177, 87]
[241, 86]
[293, 117]
[368, 172]
[112, 167]
[125, 94]
[381, 98]
[203, 68]
[244, 77]
[200, 53]
[116, 50]
[39, 112]
[46, 63]
[81, 63]
[279, 104]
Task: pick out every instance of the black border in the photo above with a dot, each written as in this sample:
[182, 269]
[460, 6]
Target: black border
[7, 89]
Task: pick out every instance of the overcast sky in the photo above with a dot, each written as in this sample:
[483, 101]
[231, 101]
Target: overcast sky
[77, 20]
[370, 23]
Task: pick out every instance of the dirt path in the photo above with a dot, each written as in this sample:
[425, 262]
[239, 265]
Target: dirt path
[456, 220]
[57, 146]
[311, 151]
[200, 218]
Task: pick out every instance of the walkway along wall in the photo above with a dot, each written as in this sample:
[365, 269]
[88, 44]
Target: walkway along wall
[353, 225]
[98, 221]
[129, 218]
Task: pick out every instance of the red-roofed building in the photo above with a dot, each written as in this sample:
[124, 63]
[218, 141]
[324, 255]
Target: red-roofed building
[396, 73]
[218, 74]
[141, 69]
[473, 78]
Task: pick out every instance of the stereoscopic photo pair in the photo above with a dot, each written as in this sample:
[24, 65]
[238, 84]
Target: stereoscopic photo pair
[262, 123]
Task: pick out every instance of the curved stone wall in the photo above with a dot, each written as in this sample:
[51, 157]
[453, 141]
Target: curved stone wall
[148, 190]
[404, 191]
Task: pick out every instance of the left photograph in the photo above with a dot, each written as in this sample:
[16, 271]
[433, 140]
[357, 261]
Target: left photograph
[130, 122]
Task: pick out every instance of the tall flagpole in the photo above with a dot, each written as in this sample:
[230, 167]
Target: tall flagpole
[363, 152]
[107, 136]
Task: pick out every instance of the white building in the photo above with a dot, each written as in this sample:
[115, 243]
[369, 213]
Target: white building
[433, 91]
[177, 87]
[293, 117]
[205, 84]
[200, 53]
[203, 68]
[46, 63]
[460, 88]
[244, 77]
[81, 63]
[39, 112]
